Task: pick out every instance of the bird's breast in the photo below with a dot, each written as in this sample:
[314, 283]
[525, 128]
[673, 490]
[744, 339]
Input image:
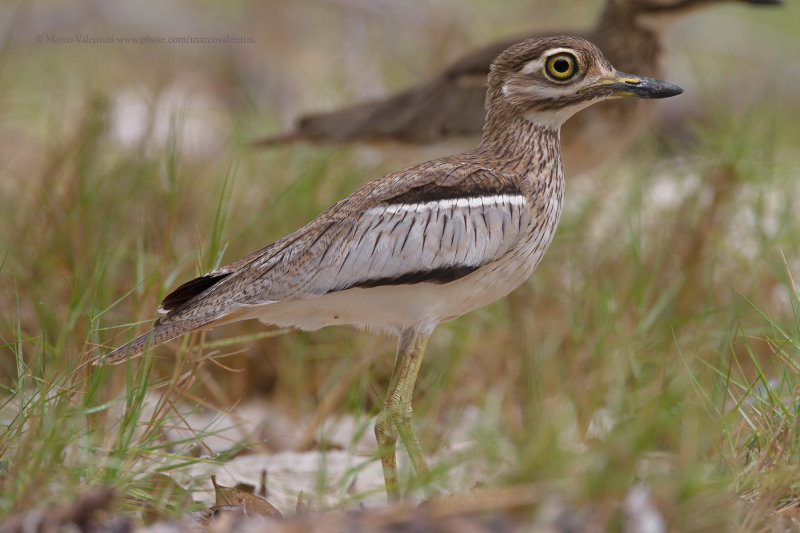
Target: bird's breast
[544, 212]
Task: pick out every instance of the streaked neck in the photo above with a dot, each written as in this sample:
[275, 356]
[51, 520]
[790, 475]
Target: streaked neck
[517, 136]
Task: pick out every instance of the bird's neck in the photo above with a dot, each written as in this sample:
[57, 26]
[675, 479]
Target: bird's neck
[532, 146]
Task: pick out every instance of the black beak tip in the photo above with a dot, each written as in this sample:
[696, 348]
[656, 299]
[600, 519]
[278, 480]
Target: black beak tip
[667, 90]
[651, 89]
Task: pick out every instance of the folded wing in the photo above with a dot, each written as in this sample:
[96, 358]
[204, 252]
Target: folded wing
[435, 224]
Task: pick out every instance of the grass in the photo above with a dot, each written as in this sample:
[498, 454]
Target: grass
[658, 344]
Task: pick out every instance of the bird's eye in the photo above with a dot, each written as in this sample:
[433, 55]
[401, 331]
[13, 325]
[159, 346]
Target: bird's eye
[561, 67]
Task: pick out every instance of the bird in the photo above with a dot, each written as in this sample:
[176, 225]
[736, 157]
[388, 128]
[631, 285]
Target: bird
[450, 104]
[423, 245]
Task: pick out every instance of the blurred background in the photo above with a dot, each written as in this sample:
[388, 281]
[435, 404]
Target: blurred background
[658, 341]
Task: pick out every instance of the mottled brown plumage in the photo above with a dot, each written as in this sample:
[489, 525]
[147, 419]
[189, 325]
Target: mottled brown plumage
[451, 104]
[426, 244]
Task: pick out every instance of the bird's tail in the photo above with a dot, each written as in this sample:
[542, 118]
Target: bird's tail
[158, 335]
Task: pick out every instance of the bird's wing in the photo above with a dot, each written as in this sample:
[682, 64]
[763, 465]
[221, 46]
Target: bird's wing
[434, 222]
[429, 234]
[437, 108]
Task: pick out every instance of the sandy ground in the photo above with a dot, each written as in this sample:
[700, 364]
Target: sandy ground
[345, 474]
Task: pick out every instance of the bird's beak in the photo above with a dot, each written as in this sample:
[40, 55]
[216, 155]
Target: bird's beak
[622, 84]
[765, 2]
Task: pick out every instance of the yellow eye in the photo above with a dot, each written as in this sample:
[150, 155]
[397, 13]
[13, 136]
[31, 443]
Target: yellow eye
[561, 67]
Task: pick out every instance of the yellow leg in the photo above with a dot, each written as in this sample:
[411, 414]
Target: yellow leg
[396, 417]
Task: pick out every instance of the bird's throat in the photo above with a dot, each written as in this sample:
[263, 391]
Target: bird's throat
[527, 143]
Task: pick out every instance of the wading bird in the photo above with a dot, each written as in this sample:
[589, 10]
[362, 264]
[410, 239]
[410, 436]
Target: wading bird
[426, 244]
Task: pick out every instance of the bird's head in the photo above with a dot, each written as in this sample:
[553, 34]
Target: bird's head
[548, 80]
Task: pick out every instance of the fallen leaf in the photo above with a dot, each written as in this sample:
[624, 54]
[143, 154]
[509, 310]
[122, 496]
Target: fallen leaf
[249, 503]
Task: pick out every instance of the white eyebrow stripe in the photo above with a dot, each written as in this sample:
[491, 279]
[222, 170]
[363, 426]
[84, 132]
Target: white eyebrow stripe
[450, 203]
[551, 51]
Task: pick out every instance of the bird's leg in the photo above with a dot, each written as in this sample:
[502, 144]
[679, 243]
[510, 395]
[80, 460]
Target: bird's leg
[400, 406]
[396, 416]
